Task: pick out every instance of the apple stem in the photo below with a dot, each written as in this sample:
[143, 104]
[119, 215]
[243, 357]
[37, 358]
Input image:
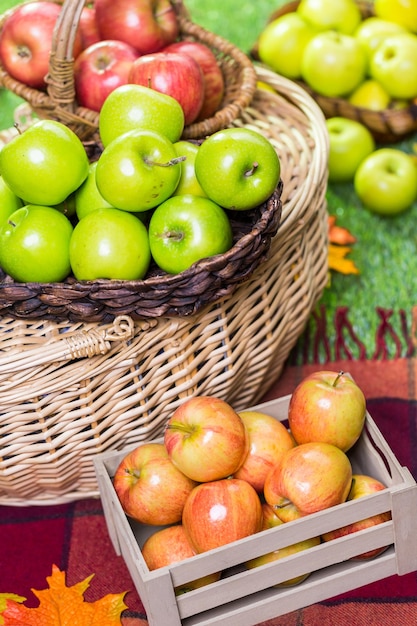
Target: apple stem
[174, 161]
[17, 127]
[285, 503]
[11, 223]
[177, 425]
[133, 472]
[336, 380]
[252, 170]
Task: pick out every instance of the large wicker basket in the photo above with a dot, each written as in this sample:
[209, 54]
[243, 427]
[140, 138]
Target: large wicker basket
[59, 101]
[388, 126]
[71, 390]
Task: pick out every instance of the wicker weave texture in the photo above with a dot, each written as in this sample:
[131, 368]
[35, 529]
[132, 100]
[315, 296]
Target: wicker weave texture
[389, 125]
[59, 407]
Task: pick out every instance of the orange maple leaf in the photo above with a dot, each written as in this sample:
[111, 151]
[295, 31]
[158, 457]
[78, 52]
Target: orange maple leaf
[60, 605]
[339, 237]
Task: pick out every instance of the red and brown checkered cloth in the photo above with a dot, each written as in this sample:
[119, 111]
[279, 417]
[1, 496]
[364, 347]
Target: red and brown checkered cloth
[74, 536]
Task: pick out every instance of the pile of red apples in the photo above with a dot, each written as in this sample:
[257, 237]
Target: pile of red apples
[128, 41]
[219, 476]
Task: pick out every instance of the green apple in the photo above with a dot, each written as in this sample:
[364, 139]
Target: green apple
[370, 95]
[9, 201]
[188, 179]
[343, 16]
[238, 168]
[132, 107]
[350, 142]
[109, 243]
[34, 245]
[138, 170]
[87, 196]
[333, 64]
[281, 44]
[394, 65]
[373, 30]
[45, 163]
[386, 181]
[185, 229]
[402, 12]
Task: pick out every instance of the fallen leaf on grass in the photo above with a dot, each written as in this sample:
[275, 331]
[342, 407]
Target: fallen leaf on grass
[338, 250]
[60, 605]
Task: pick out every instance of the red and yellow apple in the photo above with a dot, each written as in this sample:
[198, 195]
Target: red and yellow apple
[206, 439]
[170, 545]
[362, 485]
[150, 488]
[269, 439]
[310, 477]
[327, 406]
[221, 511]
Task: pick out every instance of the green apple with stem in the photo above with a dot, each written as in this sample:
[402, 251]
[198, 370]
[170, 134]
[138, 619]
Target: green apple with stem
[349, 143]
[185, 229]
[334, 64]
[111, 244]
[394, 65]
[131, 107]
[386, 181]
[45, 163]
[9, 201]
[34, 245]
[138, 170]
[238, 168]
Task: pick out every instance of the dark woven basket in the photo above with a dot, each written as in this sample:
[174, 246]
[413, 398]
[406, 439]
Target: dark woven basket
[159, 294]
[59, 101]
[387, 126]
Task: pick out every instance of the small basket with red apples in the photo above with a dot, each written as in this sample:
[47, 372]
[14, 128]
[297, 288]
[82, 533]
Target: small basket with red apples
[85, 51]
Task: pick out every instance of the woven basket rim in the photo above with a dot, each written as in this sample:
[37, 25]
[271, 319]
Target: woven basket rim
[84, 120]
[389, 125]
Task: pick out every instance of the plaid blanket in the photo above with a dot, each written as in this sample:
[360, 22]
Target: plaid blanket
[74, 536]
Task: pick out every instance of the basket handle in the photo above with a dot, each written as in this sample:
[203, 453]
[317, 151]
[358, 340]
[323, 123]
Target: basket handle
[85, 343]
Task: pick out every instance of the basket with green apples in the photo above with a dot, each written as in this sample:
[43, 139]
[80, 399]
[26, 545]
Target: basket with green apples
[356, 58]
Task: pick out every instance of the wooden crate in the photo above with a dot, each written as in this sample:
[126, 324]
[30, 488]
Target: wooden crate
[248, 597]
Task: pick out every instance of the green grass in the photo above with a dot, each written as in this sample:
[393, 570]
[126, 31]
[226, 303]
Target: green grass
[385, 252]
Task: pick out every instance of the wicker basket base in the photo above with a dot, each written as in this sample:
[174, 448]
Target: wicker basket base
[59, 409]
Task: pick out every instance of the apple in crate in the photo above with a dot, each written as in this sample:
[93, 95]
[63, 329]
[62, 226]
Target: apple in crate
[101, 68]
[221, 511]
[327, 406]
[170, 545]
[148, 25]
[133, 107]
[269, 439]
[310, 477]
[176, 75]
[206, 439]
[150, 488]
[214, 85]
[362, 485]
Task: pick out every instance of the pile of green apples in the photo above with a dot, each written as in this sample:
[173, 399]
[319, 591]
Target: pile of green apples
[149, 196]
[372, 61]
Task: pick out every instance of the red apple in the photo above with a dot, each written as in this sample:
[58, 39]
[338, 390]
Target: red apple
[170, 545]
[150, 488]
[26, 40]
[327, 406]
[147, 25]
[213, 76]
[206, 439]
[99, 69]
[269, 439]
[362, 485]
[177, 75]
[88, 27]
[221, 511]
[310, 477]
